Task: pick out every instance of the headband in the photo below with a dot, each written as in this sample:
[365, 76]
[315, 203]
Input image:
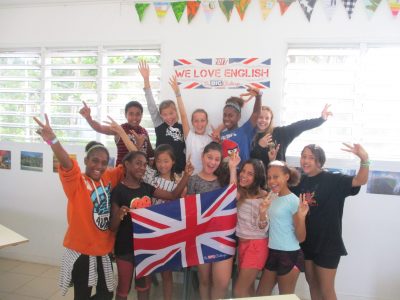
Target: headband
[234, 105]
[95, 147]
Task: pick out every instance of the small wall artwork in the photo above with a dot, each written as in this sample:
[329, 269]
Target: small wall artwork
[56, 163]
[5, 159]
[32, 161]
[384, 182]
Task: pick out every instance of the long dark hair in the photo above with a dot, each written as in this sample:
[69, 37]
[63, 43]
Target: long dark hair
[259, 178]
[165, 148]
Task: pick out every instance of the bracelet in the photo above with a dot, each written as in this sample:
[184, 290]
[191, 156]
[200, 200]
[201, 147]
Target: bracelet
[178, 95]
[365, 164]
[52, 142]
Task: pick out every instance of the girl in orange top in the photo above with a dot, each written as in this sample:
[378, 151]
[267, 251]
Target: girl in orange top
[88, 240]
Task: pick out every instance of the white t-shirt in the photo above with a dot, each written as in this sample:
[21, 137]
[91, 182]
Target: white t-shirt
[195, 144]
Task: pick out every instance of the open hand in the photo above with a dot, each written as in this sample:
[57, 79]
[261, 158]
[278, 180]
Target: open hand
[357, 149]
[251, 93]
[325, 112]
[144, 69]
[173, 82]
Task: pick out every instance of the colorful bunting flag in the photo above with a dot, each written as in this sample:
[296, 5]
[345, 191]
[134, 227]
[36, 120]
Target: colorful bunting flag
[226, 7]
[178, 8]
[349, 6]
[329, 8]
[284, 5]
[192, 9]
[371, 6]
[140, 9]
[394, 7]
[209, 8]
[161, 9]
[241, 6]
[266, 7]
[308, 7]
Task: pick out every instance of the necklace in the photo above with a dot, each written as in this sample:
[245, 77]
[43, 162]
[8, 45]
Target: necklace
[97, 193]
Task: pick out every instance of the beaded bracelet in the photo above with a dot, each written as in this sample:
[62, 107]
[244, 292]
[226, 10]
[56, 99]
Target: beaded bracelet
[365, 164]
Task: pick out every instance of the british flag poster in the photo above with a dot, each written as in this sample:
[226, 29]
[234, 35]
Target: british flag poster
[193, 230]
[223, 73]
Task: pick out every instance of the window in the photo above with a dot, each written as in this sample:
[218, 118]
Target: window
[56, 81]
[361, 83]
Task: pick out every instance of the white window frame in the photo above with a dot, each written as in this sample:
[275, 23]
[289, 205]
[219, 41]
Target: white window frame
[100, 109]
[361, 119]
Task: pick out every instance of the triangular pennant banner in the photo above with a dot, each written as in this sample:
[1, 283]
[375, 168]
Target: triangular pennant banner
[209, 8]
[140, 9]
[161, 9]
[192, 9]
[371, 6]
[329, 7]
[284, 5]
[394, 7]
[226, 7]
[308, 7]
[178, 8]
[266, 7]
[349, 6]
[241, 6]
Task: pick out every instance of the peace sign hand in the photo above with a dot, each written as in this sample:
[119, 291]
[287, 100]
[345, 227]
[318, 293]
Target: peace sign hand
[273, 152]
[303, 206]
[139, 138]
[45, 130]
[265, 204]
[114, 126]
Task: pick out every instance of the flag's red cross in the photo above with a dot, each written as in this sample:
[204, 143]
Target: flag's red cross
[195, 225]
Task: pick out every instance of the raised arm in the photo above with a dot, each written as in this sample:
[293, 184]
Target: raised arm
[361, 177]
[185, 122]
[151, 103]
[118, 130]
[234, 161]
[299, 219]
[85, 112]
[253, 92]
[48, 135]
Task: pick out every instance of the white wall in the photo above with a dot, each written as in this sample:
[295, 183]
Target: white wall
[33, 203]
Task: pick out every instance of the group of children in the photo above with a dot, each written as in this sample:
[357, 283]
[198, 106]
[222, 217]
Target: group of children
[292, 227]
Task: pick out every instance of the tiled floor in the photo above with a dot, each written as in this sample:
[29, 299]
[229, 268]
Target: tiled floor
[29, 281]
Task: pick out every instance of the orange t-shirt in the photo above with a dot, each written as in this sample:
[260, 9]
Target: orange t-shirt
[88, 210]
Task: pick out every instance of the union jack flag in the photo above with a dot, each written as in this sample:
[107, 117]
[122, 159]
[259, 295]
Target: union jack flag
[193, 230]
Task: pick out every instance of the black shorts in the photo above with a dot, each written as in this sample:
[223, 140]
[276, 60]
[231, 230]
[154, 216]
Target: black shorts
[282, 262]
[322, 260]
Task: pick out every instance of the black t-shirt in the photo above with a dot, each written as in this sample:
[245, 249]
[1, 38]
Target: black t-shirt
[173, 135]
[133, 198]
[325, 194]
[282, 135]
